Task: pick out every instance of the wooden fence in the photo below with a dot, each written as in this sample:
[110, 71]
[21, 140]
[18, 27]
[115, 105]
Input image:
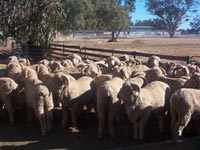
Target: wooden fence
[60, 51]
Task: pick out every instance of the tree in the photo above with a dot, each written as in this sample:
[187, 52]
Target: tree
[170, 12]
[113, 15]
[195, 25]
[80, 15]
[33, 20]
[156, 23]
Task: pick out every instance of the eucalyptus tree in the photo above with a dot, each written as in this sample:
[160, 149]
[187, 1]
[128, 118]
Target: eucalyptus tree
[170, 12]
[114, 15]
[31, 20]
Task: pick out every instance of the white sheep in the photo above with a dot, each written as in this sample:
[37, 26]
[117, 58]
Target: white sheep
[108, 104]
[38, 98]
[184, 106]
[140, 103]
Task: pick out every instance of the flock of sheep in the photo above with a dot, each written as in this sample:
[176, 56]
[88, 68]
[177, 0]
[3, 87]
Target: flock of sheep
[104, 87]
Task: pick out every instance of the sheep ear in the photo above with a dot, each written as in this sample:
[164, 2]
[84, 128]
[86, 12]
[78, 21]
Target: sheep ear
[84, 69]
[186, 70]
[37, 68]
[21, 65]
[65, 80]
[125, 73]
[163, 71]
[9, 66]
[135, 88]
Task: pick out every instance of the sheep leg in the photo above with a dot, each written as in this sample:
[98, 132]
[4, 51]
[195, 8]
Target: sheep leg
[101, 119]
[7, 101]
[161, 121]
[111, 119]
[41, 117]
[182, 122]
[64, 118]
[136, 126]
[49, 120]
[142, 122]
[74, 111]
[30, 115]
[173, 115]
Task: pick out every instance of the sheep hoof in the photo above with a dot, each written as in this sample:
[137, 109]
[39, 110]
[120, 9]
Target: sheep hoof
[74, 130]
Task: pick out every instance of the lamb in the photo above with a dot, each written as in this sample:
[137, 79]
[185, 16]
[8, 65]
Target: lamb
[7, 86]
[140, 103]
[184, 106]
[39, 99]
[107, 101]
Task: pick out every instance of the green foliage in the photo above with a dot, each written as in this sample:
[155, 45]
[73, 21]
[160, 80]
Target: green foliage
[156, 23]
[80, 14]
[30, 20]
[170, 12]
[195, 25]
[112, 16]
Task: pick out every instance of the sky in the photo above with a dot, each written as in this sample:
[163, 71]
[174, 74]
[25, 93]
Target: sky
[141, 14]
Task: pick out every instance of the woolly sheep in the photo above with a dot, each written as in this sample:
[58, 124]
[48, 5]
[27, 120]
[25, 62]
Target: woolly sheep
[107, 101]
[7, 86]
[184, 106]
[38, 98]
[76, 94]
[140, 103]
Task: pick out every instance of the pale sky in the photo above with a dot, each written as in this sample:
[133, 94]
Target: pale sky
[141, 14]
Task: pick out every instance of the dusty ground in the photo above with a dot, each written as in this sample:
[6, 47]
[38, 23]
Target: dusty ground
[27, 135]
[182, 46]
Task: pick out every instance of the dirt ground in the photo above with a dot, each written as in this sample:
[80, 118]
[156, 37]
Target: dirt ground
[27, 135]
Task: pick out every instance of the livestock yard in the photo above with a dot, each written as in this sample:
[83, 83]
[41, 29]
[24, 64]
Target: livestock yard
[24, 135]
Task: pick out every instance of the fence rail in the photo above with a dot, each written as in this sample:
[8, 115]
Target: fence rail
[60, 51]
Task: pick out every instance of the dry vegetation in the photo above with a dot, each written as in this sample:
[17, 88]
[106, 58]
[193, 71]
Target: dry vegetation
[181, 46]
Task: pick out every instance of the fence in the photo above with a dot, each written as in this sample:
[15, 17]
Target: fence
[60, 51]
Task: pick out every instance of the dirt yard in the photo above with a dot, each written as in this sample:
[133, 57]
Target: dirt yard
[27, 135]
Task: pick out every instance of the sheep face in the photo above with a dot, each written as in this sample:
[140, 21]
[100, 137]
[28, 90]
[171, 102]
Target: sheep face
[129, 94]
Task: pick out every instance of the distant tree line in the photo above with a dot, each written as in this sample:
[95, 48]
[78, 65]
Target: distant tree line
[35, 21]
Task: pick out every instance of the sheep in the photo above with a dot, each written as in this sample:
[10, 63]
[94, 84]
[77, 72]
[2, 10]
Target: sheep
[184, 106]
[76, 94]
[102, 78]
[153, 61]
[91, 70]
[140, 103]
[76, 59]
[24, 61]
[14, 71]
[107, 101]
[158, 74]
[126, 72]
[193, 82]
[12, 59]
[7, 86]
[181, 71]
[38, 98]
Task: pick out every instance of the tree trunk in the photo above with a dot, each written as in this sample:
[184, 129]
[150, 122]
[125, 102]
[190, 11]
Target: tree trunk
[113, 38]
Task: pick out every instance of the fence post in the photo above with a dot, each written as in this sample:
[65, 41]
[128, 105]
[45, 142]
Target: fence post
[113, 52]
[134, 54]
[189, 58]
[63, 51]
